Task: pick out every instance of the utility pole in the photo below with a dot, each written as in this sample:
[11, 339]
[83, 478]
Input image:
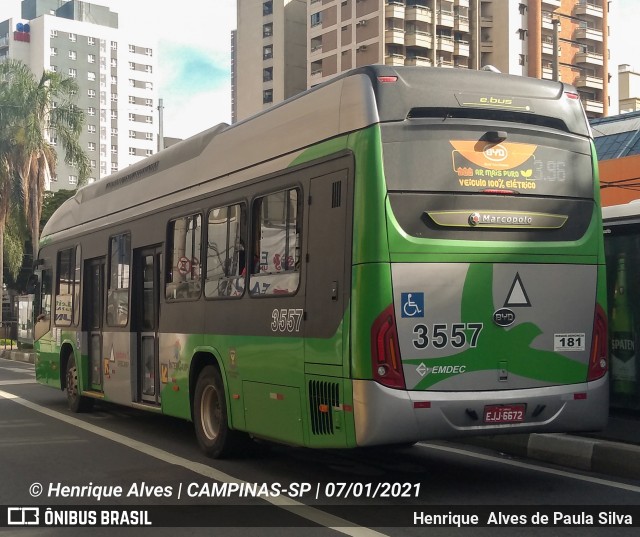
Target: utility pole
[555, 68]
[160, 125]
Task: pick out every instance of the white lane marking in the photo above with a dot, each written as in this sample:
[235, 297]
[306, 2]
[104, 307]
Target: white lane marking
[530, 466]
[21, 381]
[28, 371]
[305, 511]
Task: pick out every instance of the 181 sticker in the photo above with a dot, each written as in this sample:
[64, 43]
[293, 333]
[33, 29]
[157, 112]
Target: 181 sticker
[568, 342]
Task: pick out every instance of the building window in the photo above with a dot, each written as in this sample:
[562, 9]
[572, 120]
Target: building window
[132, 117]
[114, 114]
[114, 132]
[54, 51]
[73, 55]
[91, 111]
[149, 152]
[132, 66]
[54, 68]
[267, 30]
[132, 134]
[114, 149]
[132, 48]
[267, 96]
[267, 52]
[267, 8]
[521, 59]
[267, 74]
[114, 97]
[132, 151]
[91, 76]
[91, 128]
[148, 119]
[316, 18]
[92, 163]
[114, 45]
[114, 80]
[184, 253]
[72, 72]
[148, 85]
[73, 179]
[91, 58]
[91, 146]
[72, 38]
[114, 62]
[91, 94]
[54, 33]
[91, 40]
[148, 69]
[148, 102]
[148, 52]
[114, 167]
[148, 135]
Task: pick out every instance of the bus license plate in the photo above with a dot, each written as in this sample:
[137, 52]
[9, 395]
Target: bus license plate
[504, 413]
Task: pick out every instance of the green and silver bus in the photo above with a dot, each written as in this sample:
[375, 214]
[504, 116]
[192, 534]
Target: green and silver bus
[396, 255]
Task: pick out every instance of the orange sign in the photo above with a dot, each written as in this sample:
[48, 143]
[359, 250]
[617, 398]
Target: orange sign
[501, 156]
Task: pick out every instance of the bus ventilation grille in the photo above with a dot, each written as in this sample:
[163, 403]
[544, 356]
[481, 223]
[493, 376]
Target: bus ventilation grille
[323, 397]
[336, 194]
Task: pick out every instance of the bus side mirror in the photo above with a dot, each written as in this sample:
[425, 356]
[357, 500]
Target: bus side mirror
[32, 284]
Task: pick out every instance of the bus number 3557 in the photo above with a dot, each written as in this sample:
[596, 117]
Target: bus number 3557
[440, 335]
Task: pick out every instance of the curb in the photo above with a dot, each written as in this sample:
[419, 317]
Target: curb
[593, 455]
[18, 356]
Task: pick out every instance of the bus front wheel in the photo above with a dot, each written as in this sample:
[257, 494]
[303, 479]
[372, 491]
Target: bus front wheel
[210, 416]
[75, 401]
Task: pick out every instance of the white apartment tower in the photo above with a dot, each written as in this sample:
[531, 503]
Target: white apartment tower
[115, 73]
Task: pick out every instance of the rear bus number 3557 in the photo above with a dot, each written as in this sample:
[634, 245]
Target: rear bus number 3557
[440, 335]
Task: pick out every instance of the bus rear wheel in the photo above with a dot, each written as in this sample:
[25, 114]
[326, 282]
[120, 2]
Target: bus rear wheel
[75, 401]
[210, 416]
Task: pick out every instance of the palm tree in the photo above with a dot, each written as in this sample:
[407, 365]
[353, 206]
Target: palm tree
[40, 109]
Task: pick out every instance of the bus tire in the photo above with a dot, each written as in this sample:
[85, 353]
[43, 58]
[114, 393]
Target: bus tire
[75, 401]
[210, 416]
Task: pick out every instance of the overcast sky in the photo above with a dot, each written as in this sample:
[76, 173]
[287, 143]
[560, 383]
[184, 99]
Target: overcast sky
[194, 45]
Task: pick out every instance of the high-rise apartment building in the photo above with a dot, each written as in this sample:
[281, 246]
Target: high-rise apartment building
[628, 88]
[115, 73]
[269, 58]
[515, 36]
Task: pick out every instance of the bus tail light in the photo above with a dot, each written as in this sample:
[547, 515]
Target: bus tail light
[598, 363]
[385, 351]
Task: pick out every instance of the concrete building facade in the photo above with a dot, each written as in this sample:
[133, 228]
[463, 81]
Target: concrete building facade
[269, 54]
[515, 36]
[628, 88]
[115, 74]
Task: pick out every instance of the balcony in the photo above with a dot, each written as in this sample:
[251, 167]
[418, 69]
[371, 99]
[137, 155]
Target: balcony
[589, 8]
[394, 10]
[445, 43]
[595, 107]
[445, 18]
[461, 23]
[461, 48]
[591, 58]
[394, 60]
[461, 63]
[445, 63]
[547, 22]
[418, 38]
[418, 61]
[588, 33]
[394, 36]
[589, 81]
[552, 3]
[419, 14]
[461, 3]
[547, 46]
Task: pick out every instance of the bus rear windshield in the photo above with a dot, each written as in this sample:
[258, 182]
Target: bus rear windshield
[467, 157]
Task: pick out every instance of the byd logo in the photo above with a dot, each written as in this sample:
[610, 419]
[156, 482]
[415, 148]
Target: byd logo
[496, 153]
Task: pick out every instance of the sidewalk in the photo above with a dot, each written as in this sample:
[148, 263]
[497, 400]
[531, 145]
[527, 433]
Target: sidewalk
[614, 451]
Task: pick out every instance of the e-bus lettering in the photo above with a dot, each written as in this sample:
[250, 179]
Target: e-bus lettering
[495, 100]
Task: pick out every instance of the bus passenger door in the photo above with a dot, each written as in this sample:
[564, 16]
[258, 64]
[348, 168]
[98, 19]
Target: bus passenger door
[325, 283]
[93, 313]
[147, 281]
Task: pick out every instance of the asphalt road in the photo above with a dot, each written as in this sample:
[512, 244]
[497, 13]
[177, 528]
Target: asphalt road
[130, 459]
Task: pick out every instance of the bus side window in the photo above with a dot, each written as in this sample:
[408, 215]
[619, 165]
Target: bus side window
[43, 305]
[119, 270]
[184, 252]
[226, 237]
[276, 244]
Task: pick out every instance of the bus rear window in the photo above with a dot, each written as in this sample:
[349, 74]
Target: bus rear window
[432, 156]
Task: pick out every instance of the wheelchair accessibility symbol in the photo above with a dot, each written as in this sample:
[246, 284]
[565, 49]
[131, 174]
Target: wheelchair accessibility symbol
[412, 304]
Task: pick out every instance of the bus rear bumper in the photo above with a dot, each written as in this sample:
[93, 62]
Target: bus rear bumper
[388, 416]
